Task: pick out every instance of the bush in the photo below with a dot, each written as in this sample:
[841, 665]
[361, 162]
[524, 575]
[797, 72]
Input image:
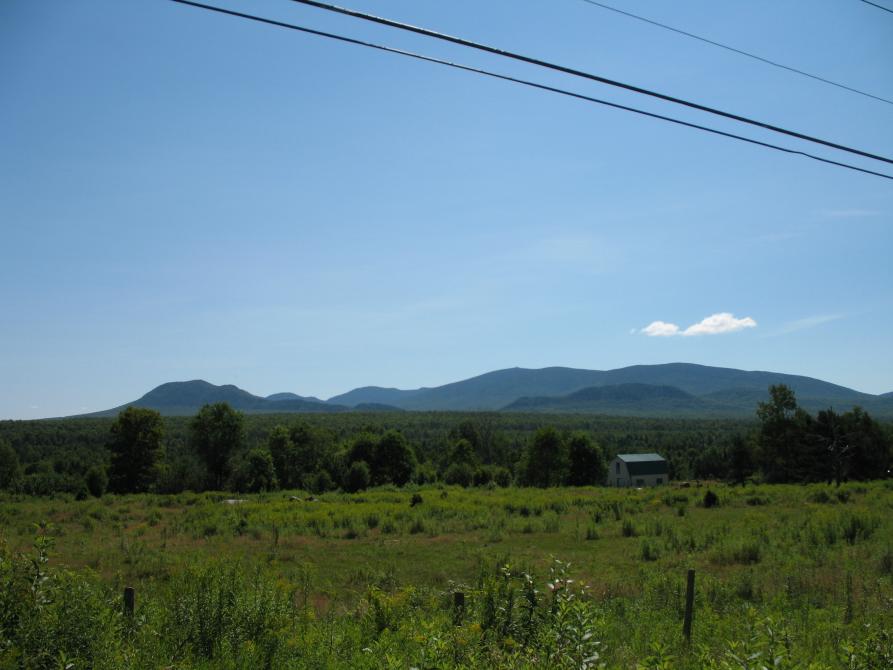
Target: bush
[886, 565]
[821, 496]
[483, 476]
[649, 551]
[459, 474]
[502, 477]
[416, 499]
[425, 474]
[711, 500]
[856, 527]
[321, 481]
[357, 478]
[96, 480]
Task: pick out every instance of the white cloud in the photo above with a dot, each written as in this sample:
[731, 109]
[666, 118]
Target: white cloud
[660, 329]
[715, 324]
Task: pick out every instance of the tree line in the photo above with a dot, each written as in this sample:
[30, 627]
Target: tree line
[222, 449]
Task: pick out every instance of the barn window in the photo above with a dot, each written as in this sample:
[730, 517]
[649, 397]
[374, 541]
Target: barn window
[660, 480]
[617, 465]
[640, 482]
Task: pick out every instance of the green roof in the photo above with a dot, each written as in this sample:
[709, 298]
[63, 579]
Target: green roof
[640, 458]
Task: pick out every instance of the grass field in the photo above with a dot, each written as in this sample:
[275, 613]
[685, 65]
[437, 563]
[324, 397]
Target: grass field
[787, 577]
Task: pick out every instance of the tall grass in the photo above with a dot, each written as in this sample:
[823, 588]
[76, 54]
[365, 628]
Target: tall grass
[367, 581]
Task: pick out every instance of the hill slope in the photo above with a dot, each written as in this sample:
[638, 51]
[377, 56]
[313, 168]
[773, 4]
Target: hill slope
[739, 388]
[623, 400]
[185, 398]
[643, 390]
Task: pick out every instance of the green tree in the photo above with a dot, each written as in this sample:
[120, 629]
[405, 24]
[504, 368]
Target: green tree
[546, 460]
[10, 469]
[137, 451]
[786, 452]
[312, 453]
[462, 451]
[321, 481]
[282, 452]
[362, 447]
[97, 481]
[393, 459]
[834, 453]
[586, 463]
[869, 447]
[255, 472]
[357, 478]
[459, 474]
[741, 461]
[216, 433]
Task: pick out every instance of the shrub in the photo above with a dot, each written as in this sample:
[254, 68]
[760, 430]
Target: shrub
[711, 500]
[357, 477]
[425, 474]
[856, 527]
[96, 480]
[820, 496]
[482, 476]
[674, 499]
[459, 474]
[502, 477]
[321, 481]
[629, 529]
[649, 551]
[886, 565]
[416, 499]
[746, 553]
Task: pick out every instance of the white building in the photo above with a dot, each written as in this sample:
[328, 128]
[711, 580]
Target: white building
[638, 470]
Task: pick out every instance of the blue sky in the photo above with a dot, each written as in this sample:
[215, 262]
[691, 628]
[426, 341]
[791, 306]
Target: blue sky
[185, 195]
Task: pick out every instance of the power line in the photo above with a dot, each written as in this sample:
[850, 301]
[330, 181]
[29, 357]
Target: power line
[586, 75]
[738, 51]
[524, 82]
[873, 4]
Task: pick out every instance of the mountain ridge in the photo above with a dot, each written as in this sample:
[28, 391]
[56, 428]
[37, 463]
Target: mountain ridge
[708, 390]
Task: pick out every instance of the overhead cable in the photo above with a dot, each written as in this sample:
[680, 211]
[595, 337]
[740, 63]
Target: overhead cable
[874, 4]
[586, 75]
[737, 51]
[531, 84]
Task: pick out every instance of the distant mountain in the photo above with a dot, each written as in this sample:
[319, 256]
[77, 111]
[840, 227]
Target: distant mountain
[186, 398]
[728, 389]
[376, 407]
[275, 397]
[887, 395]
[624, 399]
[374, 395]
[682, 389]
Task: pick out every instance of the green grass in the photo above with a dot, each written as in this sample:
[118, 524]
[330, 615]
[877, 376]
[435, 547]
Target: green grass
[801, 572]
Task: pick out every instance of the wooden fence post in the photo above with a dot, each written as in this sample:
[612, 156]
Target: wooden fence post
[689, 605]
[129, 601]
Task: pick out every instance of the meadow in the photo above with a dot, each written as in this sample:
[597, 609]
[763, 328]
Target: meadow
[788, 576]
